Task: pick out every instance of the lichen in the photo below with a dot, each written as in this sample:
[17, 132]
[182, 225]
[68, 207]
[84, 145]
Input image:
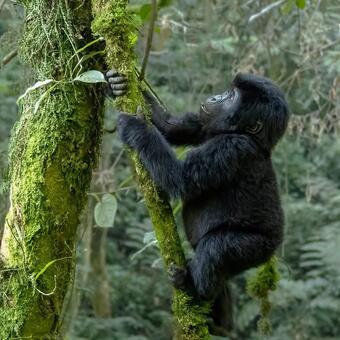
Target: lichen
[53, 149]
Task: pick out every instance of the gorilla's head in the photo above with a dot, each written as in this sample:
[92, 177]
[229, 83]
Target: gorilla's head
[253, 105]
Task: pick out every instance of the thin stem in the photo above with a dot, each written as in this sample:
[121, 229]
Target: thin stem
[149, 39]
[9, 57]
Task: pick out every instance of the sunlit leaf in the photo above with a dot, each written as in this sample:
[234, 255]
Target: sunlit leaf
[92, 76]
[145, 12]
[300, 3]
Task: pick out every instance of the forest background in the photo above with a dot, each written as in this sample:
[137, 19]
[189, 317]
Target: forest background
[121, 291]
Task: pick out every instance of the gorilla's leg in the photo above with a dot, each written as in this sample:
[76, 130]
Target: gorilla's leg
[222, 312]
[222, 253]
[219, 255]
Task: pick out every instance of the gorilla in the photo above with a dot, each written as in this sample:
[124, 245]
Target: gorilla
[231, 206]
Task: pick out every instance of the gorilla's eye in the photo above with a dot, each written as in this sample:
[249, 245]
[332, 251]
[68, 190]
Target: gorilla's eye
[230, 95]
[256, 128]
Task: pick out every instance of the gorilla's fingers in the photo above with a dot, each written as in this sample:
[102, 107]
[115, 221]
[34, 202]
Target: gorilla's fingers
[118, 86]
[177, 275]
[118, 93]
[117, 79]
[111, 73]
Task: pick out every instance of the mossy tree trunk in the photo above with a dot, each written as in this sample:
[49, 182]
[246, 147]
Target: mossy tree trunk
[52, 153]
[114, 24]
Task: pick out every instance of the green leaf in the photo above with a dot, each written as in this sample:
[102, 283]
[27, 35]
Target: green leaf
[92, 76]
[164, 3]
[105, 211]
[133, 39]
[42, 271]
[145, 12]
[287, 7]
[300, 3]
[37, 85]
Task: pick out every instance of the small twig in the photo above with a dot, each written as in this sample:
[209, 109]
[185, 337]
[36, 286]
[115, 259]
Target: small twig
[10, 56]
[149, 38]
[148, 85]
[265, 10]
[247, 3]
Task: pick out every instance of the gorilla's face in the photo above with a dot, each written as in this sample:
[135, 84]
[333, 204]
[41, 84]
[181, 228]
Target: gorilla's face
[225, 104]
[253, 105]
[219, 113]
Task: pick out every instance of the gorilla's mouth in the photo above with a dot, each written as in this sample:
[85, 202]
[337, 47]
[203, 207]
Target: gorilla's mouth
[204, 109]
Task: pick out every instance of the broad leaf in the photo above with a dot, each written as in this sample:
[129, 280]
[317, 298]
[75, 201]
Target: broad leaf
[92, 76]
[300, 3]
[144, 12]
[105, 211]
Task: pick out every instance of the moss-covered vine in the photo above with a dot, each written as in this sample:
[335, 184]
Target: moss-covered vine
[115, 25]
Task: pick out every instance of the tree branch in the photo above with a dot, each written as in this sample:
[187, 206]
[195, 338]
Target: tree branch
[265, 10]
[8, 58]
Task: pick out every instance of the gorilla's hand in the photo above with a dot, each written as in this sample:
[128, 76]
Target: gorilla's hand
[131, 129]
[117, 83]
[178, 276]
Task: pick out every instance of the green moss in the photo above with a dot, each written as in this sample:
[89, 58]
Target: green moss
[52, 152]
[190, 317]
[259, 287]
[113, 22]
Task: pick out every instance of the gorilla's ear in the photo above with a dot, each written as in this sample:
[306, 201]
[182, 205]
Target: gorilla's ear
[255, 128]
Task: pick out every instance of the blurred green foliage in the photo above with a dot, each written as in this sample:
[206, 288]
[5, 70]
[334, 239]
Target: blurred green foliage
[198, 47]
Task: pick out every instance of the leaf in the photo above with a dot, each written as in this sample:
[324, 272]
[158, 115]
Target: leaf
[145, 12]
[149, 236]
[287, 7]
[105, 211]
[300, 3]
[37, 85]
[42, 271]
[86, 57]
[91, 76]
[42, 97]
[164, 3]
[86, 46]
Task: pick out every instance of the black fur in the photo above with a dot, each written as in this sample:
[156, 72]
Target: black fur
[231, 207]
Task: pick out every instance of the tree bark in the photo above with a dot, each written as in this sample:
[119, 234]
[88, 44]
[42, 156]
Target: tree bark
[52, 153]
[114, 24]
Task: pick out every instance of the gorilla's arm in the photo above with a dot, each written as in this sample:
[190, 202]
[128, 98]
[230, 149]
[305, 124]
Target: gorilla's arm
[183, 130]
[205, 167]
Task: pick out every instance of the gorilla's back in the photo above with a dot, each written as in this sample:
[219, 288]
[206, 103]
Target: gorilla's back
[251, 202]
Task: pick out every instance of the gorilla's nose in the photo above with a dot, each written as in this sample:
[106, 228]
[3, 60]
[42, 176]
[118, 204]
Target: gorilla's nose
[214, 99]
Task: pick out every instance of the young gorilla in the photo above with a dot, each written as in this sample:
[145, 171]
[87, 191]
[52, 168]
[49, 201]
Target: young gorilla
[231, 206]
